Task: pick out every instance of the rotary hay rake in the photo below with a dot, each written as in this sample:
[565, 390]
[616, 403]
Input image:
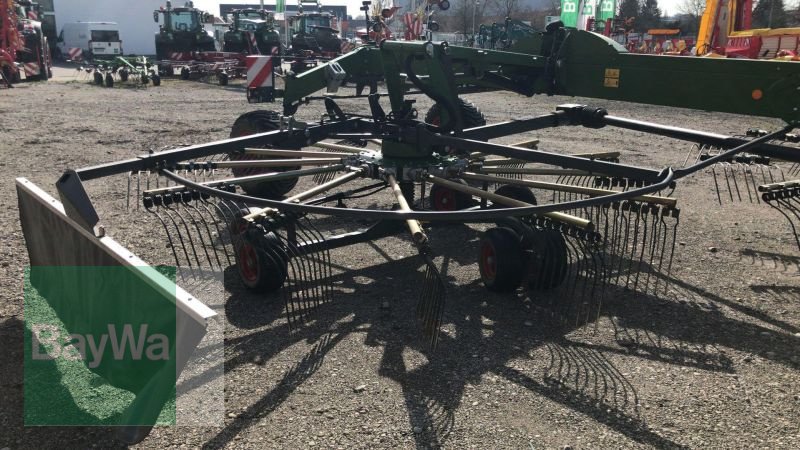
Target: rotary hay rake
[280, 195]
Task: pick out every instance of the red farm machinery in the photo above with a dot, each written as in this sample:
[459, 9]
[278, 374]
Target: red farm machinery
[24, 50]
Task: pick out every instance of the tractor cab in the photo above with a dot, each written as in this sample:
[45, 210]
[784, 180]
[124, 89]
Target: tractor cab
[181, 31]
[252, 31]
[314, 32]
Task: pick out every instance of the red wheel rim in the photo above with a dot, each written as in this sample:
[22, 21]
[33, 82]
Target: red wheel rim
[248, 263]
[444, 199]
[488, 261]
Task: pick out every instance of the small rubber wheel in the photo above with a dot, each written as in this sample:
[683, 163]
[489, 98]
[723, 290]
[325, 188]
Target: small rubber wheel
[262, 262]
[109, 80]
[258, 122]
[444, 5]
[156, 79]
[501, 260]
[223, 79]
[446, 199]
[184, 73]
[516, 192]
[98, 78]
[548, 263]
[123, 75]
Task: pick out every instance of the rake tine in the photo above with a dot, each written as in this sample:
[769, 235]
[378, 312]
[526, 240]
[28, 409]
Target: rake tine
[320, 265]
[635, 208]
[572, 274]
[625, 213]
[204, 203]
[295, 293]
[194, 205]
[727, 180]
[716, 184]
[311, 265]
[169, 212]
[183, 201]
[430, 307]
[645, 210]
[675, 213]
[169, 236]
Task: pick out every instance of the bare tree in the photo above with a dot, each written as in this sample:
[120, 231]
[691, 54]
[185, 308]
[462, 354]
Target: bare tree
[460, 17]
[507, 8]
[694, 9]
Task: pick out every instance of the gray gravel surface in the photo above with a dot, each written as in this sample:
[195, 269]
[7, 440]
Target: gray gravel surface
[712, 363]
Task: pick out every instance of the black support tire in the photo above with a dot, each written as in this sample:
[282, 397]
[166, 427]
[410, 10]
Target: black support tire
[98, 78]
[470, 114]
[109, 80]
[501, 260]
[262, 262]
[446, 199]
[156, 79]
[516, 192]
[548, 261]
[258, 122]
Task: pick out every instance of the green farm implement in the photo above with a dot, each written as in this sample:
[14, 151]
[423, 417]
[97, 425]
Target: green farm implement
[273, 199]
[125, 69]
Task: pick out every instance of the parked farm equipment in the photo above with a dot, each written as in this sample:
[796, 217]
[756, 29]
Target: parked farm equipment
[122, 68]
[181, 32]
[252, 32]
[24, 50]
[584, 224]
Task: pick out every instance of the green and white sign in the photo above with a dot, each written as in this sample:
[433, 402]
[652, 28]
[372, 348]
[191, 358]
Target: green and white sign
[606, 9]
[569, 12]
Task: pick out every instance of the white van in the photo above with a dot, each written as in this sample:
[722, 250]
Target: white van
[96, 39]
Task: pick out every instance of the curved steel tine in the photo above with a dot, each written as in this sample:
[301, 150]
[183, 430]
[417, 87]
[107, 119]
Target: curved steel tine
[169, 239]
[210, 217]
[184, 203]
[676, 214]
[180, 238]
[625, 224]
[211, 209]
[644, 214]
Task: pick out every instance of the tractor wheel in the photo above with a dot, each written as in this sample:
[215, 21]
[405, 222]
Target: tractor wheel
[501, 260]
[258, 122]
[223, 79]
[156, 78]
[470, 114]
[98, 78]
[446, 199]
[549, 262]
[516, 192]
[109, 80]
[123, 75]
[262, 262]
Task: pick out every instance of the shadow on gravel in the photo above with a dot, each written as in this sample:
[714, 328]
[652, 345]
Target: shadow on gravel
[483, 335]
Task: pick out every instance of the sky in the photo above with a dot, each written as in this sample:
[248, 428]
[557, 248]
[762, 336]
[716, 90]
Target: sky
[668, 6]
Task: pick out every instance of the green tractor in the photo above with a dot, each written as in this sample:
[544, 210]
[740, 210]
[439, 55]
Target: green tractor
[504, 36]
[181, 32]
[252, 32]
[312, 37]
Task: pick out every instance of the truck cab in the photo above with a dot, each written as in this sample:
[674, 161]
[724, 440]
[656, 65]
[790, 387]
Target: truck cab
[97, 39]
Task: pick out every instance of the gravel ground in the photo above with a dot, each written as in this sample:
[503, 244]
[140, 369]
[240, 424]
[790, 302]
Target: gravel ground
[712, 363]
